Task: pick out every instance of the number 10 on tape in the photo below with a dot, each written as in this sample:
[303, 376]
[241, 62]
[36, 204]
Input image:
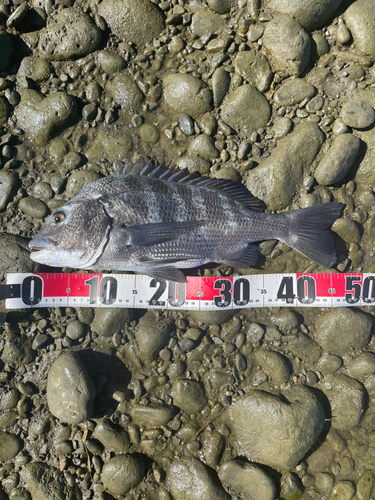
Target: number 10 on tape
[199, 293]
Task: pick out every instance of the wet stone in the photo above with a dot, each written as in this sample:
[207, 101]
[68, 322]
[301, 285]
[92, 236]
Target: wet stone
[78, 179]
[33, 207]
[109, 321]
[5, 110]
[204, 22]
[46, 483]
[7, 185]
[293, 92]
[343, 35]
[10, 445]
[113, 438]
[320, 459]
[187, 94]
[125, 92]
[365, 485]
[312, 14]
[357, 114]
[110, 62]
[273, 431]
[17, 350]
[149, 133]
[14, 257]
[247, 480]
[329, 364]
[360, 19]
[363, 365]
[122, 473]
[347, 229]
[137, 21]
[282, 127]
[220, 85]
[276, 365]
[323, 482]
[189, 479]
[337, 161]
[70, 389]
[194, 163]
[151, 336]
[6, 50]
[341, 329]
[36, 68]
[344, 490]
[75, 330]
[288, 44]
[189, 395]
[255, 69]
[347, 398]
[246, 109]
[220, 6]
[69, 34]
[153, 415]
[203, 145]
[42, 117]
[186, 124]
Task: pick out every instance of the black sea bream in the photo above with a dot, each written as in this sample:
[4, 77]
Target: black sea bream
[160, 221]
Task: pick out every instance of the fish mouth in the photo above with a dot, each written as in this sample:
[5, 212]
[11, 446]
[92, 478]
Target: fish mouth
[41, 244]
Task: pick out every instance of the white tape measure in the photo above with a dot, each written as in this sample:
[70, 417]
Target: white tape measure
[35, 290]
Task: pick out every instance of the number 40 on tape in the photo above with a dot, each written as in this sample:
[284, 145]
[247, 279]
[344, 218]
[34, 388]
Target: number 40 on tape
[35, 290]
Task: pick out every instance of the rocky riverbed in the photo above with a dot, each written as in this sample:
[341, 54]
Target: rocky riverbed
[257, 404]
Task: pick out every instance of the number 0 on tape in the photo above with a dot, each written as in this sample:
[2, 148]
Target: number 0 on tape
[199, 293]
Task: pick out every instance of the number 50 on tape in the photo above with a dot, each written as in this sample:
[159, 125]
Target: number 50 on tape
[199, 293]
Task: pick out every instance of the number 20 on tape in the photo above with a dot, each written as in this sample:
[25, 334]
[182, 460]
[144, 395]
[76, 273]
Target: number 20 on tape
[199, 293]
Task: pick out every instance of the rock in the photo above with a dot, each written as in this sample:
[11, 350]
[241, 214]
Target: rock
[220, 85]
[255, 69]
[293, 92]
[10, 445]
[329, 364]
[110, 145]
[125, 92]
[189, 395]
[320, 46]
[343, 35]
[5, 110]
[36, 68]
[46, 483]
[75, 330]
[288, 44]
[220, 6]
[347, 229]
[365, 485]
[275, 431]
[347, 398]
[33, 207]
[186, 94]
[122, 473]
[320, 459]
[363, 365]
[14, 255]
[341, 329]
[338, 159]
[246, 109]
[137, 21]
[69, 34]
[189, 479]
[149, 133]
[211, 317]
[42, 117]
[357, 114]
[360, 19]
[17, 349]
[277, 178]
[203, 145]
[186, 124]
[247, 480]
[282, 127]
[275, 365]
[70, 389]
[113, 438]
[109, 321]
[213, 445]
[311, 14]
[8, 182]
[6, 50]
[194, 164]
[153, 415]
[110, 62]
[204, 22]
[152, 336]
[78, 179]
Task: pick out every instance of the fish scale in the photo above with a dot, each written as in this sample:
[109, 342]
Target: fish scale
[162, 220]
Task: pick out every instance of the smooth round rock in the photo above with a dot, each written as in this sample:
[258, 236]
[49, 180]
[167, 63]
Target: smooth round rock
[109, 321]
[78, 179]
[122, 473]
[75, 330]
[113, 438]
[194, 163]
[33, 207]
[203, 145]
[288, 44]
[110, 62]
[311, 14]
[189, 395]
[10, 445]
[186, 124]
[6, 50]
[149, 133]
[347, 229]
[255, 69]
[189, 479]
[153, 415]
[337, 161]
[340, 329]
[363, 365]
[247, 480]
[360, 19]
[69, 34]
[125, 92]
[7, 184]
[246, 109]
[293, 92]
[137, 21]
[357, 114]
[275, 431]
[187, 94]
[46, 483]
[220, 6]
[329, 364]
[204, 21]
[275, 365]
[211, 317]
[220, 85]
[282, 127]
[36, 68]
[347, 398]
[70, 389]
[152, 336]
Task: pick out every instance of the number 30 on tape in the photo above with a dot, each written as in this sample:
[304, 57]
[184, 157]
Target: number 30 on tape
[199, 293]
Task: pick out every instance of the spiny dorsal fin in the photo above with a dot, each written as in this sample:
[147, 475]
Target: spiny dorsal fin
[230, 188]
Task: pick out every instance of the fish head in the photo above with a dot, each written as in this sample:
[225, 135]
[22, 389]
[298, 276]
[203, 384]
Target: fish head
[74, 236]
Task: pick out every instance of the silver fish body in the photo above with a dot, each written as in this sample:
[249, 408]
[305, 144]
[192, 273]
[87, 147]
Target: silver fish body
[161, 221]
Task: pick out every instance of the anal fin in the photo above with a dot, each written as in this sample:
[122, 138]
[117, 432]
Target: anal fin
[167, 273]
[248, 257]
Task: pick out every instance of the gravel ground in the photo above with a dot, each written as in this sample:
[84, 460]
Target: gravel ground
[121, 404]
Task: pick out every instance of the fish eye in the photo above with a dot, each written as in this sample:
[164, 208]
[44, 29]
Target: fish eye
[58, 217]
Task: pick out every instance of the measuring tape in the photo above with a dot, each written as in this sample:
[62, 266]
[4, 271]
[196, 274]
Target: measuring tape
[35, 290]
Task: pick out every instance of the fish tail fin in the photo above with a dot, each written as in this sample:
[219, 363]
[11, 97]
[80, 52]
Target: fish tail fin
[308, 232]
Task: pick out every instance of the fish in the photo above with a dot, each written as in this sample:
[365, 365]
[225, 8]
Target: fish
[158, 221]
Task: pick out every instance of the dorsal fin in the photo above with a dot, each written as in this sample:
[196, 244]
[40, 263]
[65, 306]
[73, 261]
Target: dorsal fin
[230, 188]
